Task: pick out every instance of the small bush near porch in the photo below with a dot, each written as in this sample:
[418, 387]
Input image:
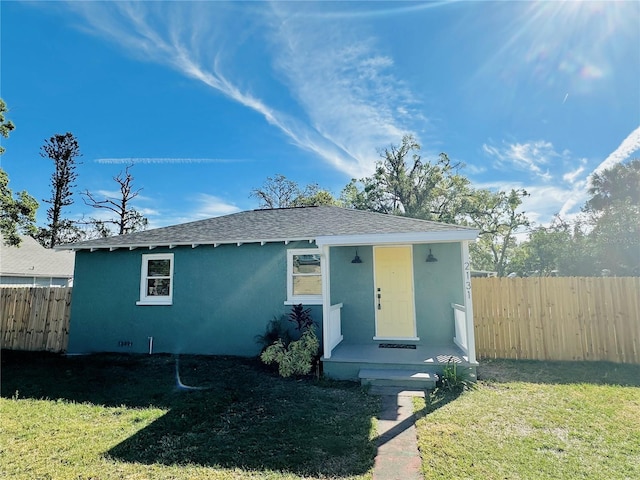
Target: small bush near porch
[114, 416]
[542, 420]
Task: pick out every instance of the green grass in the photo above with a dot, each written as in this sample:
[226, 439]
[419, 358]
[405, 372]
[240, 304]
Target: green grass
[124, 417]
[535, 420]
[114, 417]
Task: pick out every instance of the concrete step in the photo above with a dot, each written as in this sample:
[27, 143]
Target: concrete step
[410, 379]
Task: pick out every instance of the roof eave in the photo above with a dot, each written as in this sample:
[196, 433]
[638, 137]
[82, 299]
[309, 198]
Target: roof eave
[192, 244]
[397, 238]
[36, 274]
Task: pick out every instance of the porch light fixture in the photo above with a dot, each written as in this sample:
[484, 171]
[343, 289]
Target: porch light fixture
[356, 259]
[431, 258]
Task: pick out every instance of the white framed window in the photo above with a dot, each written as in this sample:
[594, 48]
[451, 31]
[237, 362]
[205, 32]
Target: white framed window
[304, 276]
[156, 279]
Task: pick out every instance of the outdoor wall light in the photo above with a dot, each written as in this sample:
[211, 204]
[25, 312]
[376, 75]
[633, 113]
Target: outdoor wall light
[431, 258]
[356, 259]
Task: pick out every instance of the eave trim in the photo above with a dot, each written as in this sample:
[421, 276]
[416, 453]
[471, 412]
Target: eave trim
[397, 238]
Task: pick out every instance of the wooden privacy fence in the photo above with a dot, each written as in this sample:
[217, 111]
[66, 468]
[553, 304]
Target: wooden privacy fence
[564, 318]
[35, 318]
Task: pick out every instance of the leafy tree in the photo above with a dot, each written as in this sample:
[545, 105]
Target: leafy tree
[497, 217]
[17, 215]
[605, 238]
[620, 183]
[63, 150]
[127, 219]
[405, 185]
[6, 126]
[614, 214]
[280, 192]
[561, 247]
[313, 196]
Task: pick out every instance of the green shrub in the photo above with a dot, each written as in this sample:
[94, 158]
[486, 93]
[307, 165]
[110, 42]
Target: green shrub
[454, 379]
[296, 358]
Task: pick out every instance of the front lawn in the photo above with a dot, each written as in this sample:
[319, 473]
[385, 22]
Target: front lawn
[163, 417]
[535, 420]
[140, 417]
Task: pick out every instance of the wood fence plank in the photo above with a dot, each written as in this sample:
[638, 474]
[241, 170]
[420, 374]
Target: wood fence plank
[586, 318]
[35, 318]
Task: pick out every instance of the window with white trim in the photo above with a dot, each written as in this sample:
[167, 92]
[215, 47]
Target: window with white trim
[156, 279]
[304, 276]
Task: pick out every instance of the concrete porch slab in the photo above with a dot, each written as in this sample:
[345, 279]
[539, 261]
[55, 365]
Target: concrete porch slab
[347, 360]
[422, 355]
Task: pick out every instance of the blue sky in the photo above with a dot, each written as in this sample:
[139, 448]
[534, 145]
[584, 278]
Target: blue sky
[210, 98]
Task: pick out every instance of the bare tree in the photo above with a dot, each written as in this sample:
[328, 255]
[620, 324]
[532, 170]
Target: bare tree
[276, 192]
[280, 192]
[127, 219]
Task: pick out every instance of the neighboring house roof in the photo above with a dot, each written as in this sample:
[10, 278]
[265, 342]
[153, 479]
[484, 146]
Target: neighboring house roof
[324, 224]
[31, 259]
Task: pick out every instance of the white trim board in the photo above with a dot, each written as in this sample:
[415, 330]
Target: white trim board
[397, 238]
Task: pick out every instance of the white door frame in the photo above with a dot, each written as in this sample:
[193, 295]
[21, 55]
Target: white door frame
[413, 290]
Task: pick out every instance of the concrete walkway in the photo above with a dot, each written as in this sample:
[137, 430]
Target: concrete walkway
[398, 457]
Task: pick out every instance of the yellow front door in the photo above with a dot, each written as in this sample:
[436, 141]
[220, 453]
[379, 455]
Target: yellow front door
[395, 317]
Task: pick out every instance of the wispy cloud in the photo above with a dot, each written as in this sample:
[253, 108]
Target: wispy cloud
[575, 175]
[149, 212]
[116, 194]
[628, 147]
[563, 194]
[349, 102]
[542, 202]
[199, 207]
[475, 169]
[530, 156]
[572, 192]
[346, 85]
[143, 160]
[625, 150]
[212, 206]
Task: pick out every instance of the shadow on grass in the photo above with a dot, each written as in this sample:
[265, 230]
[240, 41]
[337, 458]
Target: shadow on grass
[557, 372]
[240, 415]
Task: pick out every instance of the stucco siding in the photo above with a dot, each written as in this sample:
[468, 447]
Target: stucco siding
[437, 285]
[352, 285]
[222, 298]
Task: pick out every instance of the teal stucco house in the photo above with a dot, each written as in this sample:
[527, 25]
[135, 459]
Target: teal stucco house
[391, 294]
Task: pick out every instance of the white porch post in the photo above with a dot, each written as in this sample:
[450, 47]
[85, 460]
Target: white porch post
[468, 302]
[326, 301]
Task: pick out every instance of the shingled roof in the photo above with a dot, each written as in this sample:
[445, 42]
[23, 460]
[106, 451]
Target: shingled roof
[280, 225]
[31, 259]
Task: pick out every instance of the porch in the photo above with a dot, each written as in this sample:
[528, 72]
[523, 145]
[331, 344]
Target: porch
[407, 343]
[394, 364]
